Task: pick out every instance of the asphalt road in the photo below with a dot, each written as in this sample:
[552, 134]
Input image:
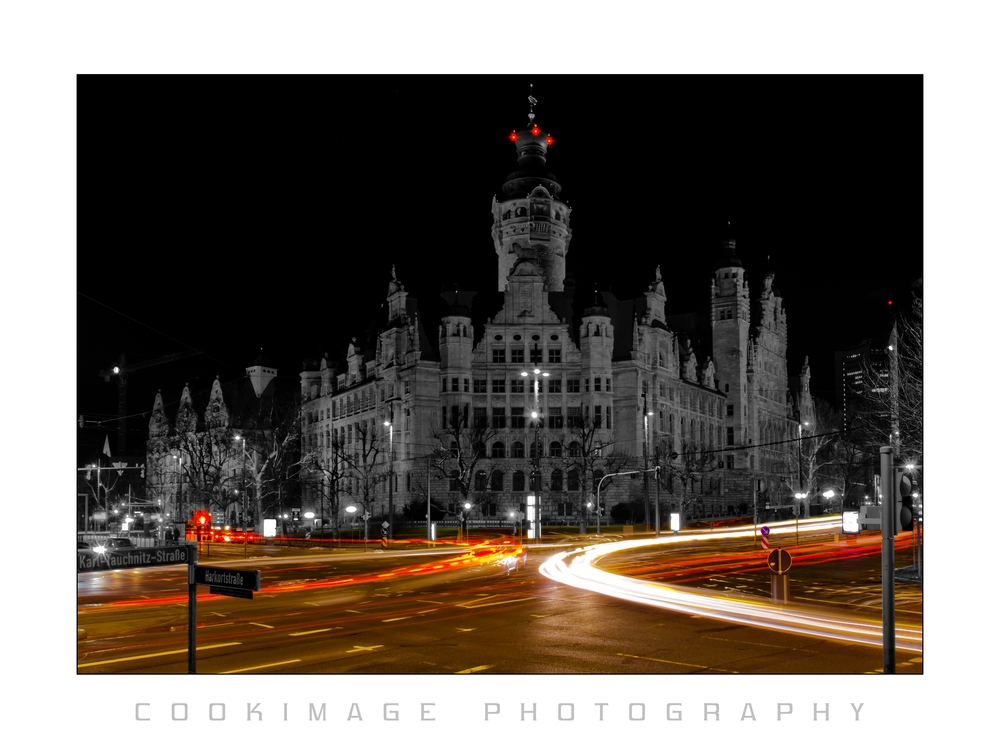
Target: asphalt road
[443, 612]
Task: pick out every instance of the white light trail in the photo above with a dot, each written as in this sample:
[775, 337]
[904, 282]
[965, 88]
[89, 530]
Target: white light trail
[578, 569]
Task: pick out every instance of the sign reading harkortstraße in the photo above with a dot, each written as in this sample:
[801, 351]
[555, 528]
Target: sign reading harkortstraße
[226, 578]
[87, 561]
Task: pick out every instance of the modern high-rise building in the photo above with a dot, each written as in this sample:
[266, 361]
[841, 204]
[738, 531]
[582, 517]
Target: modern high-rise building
[556, 386]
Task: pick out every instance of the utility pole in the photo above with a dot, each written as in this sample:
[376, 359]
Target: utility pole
[645, 454]
[888, 521]
[657, 477]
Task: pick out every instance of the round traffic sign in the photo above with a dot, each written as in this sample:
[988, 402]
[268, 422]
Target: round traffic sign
[779, 561]
[765, 531]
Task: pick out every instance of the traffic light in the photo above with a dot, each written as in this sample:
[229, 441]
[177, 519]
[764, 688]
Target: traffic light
[202, 518]
[903, 484]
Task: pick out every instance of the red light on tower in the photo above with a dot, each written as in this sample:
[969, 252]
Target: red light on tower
[535, 130]
[890, 302]
[548, 140]
[513, 136]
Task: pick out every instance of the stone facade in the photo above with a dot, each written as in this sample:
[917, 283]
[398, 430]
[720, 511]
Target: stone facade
[648, 389]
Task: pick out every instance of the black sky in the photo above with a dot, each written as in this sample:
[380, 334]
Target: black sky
[229, 214]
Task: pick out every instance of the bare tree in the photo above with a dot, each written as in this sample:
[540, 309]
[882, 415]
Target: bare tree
[364, 466]
[463, 457]
[206, 460]
[326, 474]
[817, 454]
[892, 409]
[591, 458]
[689, 475]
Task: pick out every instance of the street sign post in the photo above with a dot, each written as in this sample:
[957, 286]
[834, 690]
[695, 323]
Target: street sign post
[220, 581]
[779, 562]
[764, 533]
[221, 577]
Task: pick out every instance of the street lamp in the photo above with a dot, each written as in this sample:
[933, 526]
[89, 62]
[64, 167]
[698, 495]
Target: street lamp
[392, 471]
[242, 443]
[465, 521]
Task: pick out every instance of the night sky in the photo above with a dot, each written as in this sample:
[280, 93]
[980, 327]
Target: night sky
[234, 214]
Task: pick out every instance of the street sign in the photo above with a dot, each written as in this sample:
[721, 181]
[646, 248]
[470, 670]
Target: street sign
[779, 561]
[385, 523]
[231, 592]
[385, 541]
[764, 542]
[366, 515]
[89, 561]
[765, 531]
[385, 531]
[222, 577]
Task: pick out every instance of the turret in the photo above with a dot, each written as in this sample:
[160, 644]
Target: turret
[530, 214]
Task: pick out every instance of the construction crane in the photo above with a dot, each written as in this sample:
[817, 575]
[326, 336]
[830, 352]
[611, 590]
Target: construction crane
[122, 372]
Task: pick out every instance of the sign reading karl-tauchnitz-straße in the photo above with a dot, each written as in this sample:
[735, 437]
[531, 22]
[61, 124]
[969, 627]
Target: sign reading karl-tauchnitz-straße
[124, 558]
[226, 578]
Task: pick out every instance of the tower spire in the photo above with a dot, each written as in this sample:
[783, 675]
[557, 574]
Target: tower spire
[532, 101]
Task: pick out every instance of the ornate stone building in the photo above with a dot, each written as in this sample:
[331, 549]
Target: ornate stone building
[571, 396]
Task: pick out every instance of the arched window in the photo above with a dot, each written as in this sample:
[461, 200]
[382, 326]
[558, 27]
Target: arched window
[496, 481]
[574, 449]
[480, 481]
[573, 481]
[518, 481]
[556, 483]
[555, 449]
[498, 450]
[517, 450]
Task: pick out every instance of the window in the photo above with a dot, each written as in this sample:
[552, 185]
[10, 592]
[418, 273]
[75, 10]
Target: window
[454, 384]
[597, 417]
[556, 483]
[645, 386]
[479, 386]
[662, 421]
[496, 482]
[517, 356]
[607, 384]
[555, 418]
[555, 449]
[480, 481]
[519, 479]
[555, 356]
[444, 384]
[730, 436]
[499, 418]
[453, 482]
[536, 355]
[573, 418]
[498, 450]
[573, 481]
[498, 386]
[479, 420]
[597, 384]
[729, 409]
[564, 508]
[586, 385]
[730, 461]
[465, 384]
[516, 419]
[574, 450]
[490, 509]
[517, 450]
[608, 420]
[555, 385]
[455, 417]
[454, 449]
[406, 387]
[517, 386]
[499, 356]
[572, 386]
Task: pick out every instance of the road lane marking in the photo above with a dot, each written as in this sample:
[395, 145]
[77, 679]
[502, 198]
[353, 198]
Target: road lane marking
[216, 613]
[352, 611]
[674, 663]
[494, 603]
[397, 619]
[462, 629]
[436, 603]
[156, 655]
[254, 668]
[310, 632]
[428, 611]
[363, 648]
[310, 603]
[262, 625]
[473, 670]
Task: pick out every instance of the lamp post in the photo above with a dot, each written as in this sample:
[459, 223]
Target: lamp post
[646, 413]
[536, 416]
[242, 443]
[392, 471]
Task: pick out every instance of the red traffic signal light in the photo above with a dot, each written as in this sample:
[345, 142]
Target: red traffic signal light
[903, 486]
